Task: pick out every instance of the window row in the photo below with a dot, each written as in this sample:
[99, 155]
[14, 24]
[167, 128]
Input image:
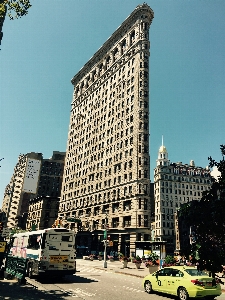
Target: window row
[104, 65]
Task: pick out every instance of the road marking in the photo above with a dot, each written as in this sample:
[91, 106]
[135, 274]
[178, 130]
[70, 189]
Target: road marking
[82, 292]
[35, 284]
[93, 278]
[75, 293]
[90, 270]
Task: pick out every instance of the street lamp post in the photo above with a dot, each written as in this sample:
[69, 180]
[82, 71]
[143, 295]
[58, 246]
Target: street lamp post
[105, 242]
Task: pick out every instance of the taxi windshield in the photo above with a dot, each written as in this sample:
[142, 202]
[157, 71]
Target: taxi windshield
[195, 272]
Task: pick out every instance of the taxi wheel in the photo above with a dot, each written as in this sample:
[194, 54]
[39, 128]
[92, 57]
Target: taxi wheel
[148, 287]
[183, 294]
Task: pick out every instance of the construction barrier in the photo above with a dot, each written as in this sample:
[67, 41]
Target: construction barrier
[16, 267]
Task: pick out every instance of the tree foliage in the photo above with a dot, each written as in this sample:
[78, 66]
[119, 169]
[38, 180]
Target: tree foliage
[14, 9]
[207, 220]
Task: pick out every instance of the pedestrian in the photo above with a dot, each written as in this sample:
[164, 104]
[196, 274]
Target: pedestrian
[198, 266]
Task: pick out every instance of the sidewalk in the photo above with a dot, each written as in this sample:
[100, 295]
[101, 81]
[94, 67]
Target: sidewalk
[117, 267]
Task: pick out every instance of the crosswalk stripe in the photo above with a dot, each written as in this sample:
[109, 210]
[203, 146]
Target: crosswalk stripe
[89, 270]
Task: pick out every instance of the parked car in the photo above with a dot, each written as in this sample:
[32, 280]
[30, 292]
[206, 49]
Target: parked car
[182, 281]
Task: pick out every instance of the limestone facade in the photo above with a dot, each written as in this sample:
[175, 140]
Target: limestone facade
[51, 174]
[106, 175]
[43, 212]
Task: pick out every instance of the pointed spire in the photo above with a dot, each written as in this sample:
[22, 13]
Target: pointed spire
[162, 156]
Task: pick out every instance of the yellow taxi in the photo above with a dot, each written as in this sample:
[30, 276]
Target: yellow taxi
[183, 282]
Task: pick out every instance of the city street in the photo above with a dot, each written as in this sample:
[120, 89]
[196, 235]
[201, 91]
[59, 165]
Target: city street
[92, 281]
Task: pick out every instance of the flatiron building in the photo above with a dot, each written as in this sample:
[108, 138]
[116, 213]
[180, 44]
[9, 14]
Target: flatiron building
[106, 182]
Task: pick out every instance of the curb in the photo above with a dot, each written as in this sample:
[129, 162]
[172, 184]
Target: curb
[119, 272]
[135, 275]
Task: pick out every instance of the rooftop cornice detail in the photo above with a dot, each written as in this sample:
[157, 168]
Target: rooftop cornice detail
[109, 72]
[114, 39]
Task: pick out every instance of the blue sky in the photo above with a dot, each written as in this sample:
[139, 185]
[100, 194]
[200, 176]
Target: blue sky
[42, 51]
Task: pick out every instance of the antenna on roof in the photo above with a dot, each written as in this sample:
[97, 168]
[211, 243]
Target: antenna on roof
[162, 140]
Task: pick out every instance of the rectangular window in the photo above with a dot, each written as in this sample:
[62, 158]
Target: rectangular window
[139, 203]
[145, 220]
[139, 220]
[145, 204]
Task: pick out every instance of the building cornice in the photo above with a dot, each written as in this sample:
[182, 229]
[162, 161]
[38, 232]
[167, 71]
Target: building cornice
[113, 40]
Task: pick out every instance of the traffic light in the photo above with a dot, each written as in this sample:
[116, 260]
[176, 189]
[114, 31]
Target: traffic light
[109, 242]
[192, 236]
[192, 239]
[55, 224]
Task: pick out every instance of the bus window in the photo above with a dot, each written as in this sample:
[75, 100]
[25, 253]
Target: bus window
[34, 241]
[67, 238]
[54, 237]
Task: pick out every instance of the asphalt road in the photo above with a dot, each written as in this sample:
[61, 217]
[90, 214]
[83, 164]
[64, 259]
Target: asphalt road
[88, 283]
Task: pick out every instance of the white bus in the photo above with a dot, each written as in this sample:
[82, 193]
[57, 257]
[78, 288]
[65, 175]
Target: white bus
[48, 252]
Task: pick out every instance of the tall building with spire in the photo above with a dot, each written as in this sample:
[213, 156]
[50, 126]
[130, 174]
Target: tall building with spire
[175, 184]
[106, 180]
[162, 156]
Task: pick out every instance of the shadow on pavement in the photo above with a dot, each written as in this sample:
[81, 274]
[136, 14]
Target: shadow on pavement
[67, 279]
[14, 291]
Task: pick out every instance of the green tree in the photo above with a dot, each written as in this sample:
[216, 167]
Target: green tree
[207, 220]
[169, 260]
[15, 8]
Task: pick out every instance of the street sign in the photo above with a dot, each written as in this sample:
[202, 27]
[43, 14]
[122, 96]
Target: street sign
[33, 227]
[105, 235]
[73, 220]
